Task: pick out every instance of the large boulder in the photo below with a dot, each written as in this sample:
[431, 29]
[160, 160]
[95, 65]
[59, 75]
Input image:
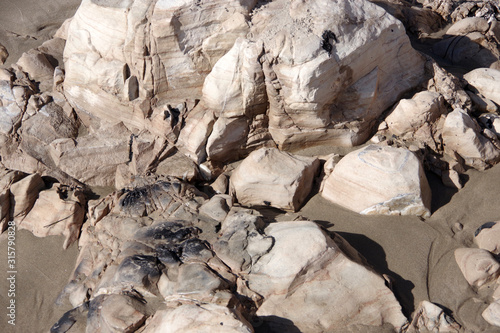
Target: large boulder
[317, 284]
[462, 135]
[485, 80]
[119, 54]
[331, 75]
[270, 177]
[380, 180]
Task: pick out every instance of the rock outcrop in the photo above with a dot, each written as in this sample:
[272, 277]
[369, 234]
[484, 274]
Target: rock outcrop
[380, 180]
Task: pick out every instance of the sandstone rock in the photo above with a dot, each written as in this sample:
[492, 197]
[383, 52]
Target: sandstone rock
[380, 180]
[242, 242]
[217, 207]
[468, 25]
[449, 86]
[7, 178]
[482, 104]
[296, 288]
[487, 237]
[220, 185]
[24, 193]
[115, 313]
[36, 64]
[485, 81]
[478, 266]
[178, 165]
[492, 314]
[57, 211]
[165, 48]
[330, 80]
[432, 318]
[191, 318]
[270, 177]
[93, 159]
[10, 110]
[462, 135]
[410, 114]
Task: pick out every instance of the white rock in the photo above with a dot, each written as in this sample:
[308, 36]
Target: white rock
[308, 279]
[462, 135]
[270, 177]
[485, 80]
[489, 238]
[411, 114]
[432, 318]
[328, 78]
[478, 266]
[492, 314]
[380, 180]
[192, 318]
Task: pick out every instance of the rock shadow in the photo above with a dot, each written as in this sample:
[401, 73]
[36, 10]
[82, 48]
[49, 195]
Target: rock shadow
[376, 258]
[441, 194]
[274, 324]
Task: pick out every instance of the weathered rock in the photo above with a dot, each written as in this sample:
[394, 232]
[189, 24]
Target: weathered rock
[178, 165]
[36, 65]
[410, 114]
[432, 318]
[487, 237]
[332, 79]
[449, 86]
[270, 177]
[217, 207]
[7, 178]
[115, 313]
[24, 193]
[462, 135]
[478, 266]
[306, 274]
[57, 211]
[485, 80]
[380, 180]
[483, 104]
[492, 314]
[191, 318]
[10, 109]
[163, 49]
[490, 121]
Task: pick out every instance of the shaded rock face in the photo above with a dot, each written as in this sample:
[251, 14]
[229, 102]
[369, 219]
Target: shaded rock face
[380, 180]
[217, 280]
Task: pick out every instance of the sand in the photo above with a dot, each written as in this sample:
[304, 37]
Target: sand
[417, 254]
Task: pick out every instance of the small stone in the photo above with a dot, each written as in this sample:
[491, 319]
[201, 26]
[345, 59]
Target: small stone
[478, 266]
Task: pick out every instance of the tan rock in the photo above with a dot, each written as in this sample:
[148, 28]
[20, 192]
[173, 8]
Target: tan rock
[462, 135]
[485, 80]
[10, 110]
[4, 54]
[306, 274]
[178, 165]
[36, 64]
[468, 25]
[7, 178]
[191, 318]
[57, 211]
[490, 121]
[270, 177]
[328, 79]
[478, 266]
[410, 114]
[380, 180]
[24, 193]
[430, 317]
[488, 237]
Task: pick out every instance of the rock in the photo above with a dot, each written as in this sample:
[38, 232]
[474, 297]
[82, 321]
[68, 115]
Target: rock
[410, 114]
[10, 110]
[491, 122]
[106, 55]
[462, 135]
[468, 25]
[270, 177]
[449, 86]
[220, 185]
[178, 165]
[432, 318]
[332, 79]
[487, 237]
[217, 207]
[191, 318]
[115, 313]
[482, 104]
[478, 266]
[380, 180]
[36, 65]
[4, 54]
[242, 242]
[93, 159]
[306, 274]
[7, 178]
[485, 81]
[57, 211]
[492, 314]
[24, 193]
